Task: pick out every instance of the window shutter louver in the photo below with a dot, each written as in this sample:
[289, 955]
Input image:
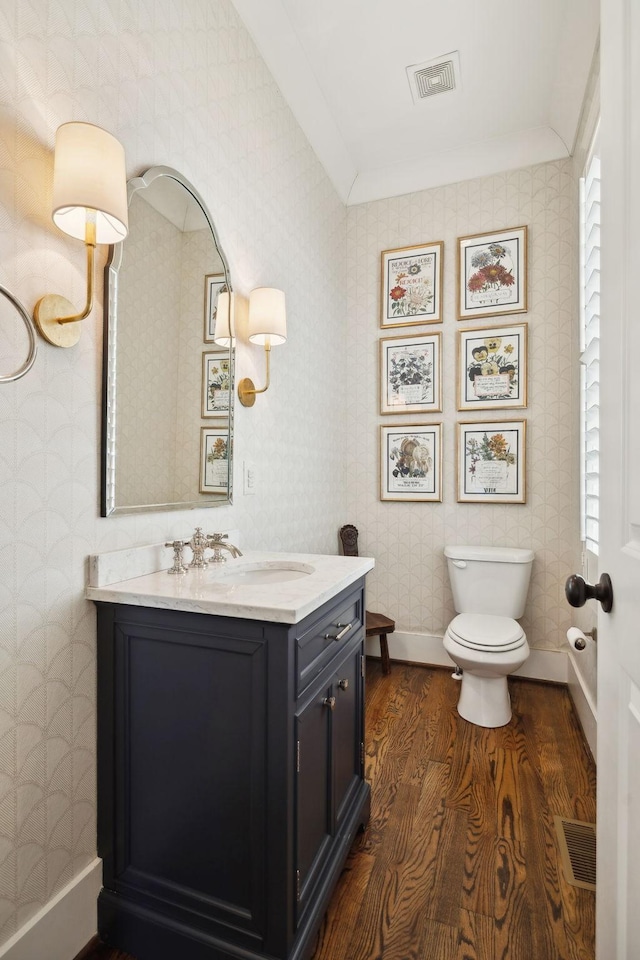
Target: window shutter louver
[590, 357]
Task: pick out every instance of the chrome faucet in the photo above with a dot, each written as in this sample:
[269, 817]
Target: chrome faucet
[214, 542]
[198, 544]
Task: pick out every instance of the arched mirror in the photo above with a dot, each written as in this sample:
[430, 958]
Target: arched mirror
[167, 385]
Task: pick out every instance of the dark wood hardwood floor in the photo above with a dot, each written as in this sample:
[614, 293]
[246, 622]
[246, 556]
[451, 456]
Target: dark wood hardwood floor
[460, 860]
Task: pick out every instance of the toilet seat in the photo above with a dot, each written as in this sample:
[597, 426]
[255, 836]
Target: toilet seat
[483, 632]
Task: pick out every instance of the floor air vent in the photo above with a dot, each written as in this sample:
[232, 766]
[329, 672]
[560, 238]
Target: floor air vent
[577, 842]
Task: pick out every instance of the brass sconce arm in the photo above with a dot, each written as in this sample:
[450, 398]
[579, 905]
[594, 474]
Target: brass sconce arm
[247, 390]
[52, 310]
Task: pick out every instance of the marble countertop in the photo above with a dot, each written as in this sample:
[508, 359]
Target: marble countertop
[205, 591]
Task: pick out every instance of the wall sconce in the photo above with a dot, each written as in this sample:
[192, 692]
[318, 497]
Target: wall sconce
[268, 326]
[89, 204]
[224, 331]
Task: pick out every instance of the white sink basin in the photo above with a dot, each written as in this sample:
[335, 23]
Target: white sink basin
[265, 572]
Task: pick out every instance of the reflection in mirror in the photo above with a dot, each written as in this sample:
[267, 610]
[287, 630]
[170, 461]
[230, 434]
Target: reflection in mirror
[168, 387]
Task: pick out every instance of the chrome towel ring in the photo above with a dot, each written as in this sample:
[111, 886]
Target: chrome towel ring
[31, 356]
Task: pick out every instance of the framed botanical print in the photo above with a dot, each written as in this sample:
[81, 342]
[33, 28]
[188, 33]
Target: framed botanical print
[491, 461]
[213, 284]
[216, 372]
[410, 374]
[492, 274]
[412, 285]
[411, 462]
[214, 460]
[492, 367]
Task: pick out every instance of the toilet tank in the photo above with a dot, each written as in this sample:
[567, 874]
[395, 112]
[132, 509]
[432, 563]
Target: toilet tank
[490, 580]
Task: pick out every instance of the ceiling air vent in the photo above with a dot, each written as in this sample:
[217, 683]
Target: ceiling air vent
[435, 76]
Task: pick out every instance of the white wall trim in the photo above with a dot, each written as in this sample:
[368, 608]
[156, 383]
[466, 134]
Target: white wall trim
[583, 703]
[486, 158]
[65, 925]
[424, 648]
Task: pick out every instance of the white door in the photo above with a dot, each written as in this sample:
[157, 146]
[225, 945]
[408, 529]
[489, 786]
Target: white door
[618, 884]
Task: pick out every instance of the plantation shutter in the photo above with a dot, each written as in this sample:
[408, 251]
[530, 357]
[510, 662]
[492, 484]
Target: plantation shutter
[590, 357]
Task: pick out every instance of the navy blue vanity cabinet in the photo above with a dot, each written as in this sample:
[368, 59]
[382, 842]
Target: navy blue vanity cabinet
[230, 777]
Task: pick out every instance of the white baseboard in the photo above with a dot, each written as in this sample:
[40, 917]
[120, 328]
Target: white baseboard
[584, 705]
[423, 648]
[61, 929]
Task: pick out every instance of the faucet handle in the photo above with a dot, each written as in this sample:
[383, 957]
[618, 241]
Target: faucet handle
[178, 564]
[217, 537]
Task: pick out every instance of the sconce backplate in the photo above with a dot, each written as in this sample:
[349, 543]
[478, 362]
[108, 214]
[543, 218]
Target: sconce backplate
[46, 314]
[247, 392]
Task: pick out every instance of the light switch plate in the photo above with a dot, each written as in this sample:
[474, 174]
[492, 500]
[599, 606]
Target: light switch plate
[249, 478]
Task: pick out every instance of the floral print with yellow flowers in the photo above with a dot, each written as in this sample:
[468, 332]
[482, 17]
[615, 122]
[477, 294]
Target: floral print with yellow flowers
[494, 447]
[493, 356]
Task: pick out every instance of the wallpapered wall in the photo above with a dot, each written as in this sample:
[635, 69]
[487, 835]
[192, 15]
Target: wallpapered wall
[181, 84]
[410, 579]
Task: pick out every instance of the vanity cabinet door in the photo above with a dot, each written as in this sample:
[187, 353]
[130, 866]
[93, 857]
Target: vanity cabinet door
[313, 790]
[347, 741]
[328, 734]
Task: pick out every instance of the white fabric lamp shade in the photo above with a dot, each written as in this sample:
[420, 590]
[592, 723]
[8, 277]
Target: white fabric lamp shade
[89, 176]
[267, 316]
[224, 329]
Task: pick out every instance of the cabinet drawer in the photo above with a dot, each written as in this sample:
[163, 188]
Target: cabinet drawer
[324, 639]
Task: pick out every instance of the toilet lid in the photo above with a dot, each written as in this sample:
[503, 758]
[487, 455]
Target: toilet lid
[482, 632]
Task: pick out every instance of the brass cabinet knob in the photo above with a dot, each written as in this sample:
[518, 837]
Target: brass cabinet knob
[344, 684]
[329, 702]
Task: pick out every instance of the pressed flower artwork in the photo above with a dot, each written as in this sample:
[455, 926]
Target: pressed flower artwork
[491, 462]
[412, 285]
[492, 273]
[215, 384]
[492, 367]
[213, 285]
[411, 462]
[410, 379]
[214, 460]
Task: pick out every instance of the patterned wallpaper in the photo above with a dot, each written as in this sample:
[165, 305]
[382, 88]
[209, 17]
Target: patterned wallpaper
[181, 84]
[410, 579]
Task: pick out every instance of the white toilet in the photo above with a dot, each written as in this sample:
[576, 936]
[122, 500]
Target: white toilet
[485, 640]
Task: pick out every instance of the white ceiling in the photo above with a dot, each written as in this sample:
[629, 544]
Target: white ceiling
[341, 66]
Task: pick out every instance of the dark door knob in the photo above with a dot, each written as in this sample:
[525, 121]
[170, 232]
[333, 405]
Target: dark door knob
[578, 591]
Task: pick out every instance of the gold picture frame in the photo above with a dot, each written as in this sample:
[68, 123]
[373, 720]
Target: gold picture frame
[411, 462]
[492, 273]
[411, 285]
[492, 367]
[214, 459]
[411, 374]
[216, 383]
[491, 461]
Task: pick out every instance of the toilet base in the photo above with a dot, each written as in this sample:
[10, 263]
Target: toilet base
[484, 701]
